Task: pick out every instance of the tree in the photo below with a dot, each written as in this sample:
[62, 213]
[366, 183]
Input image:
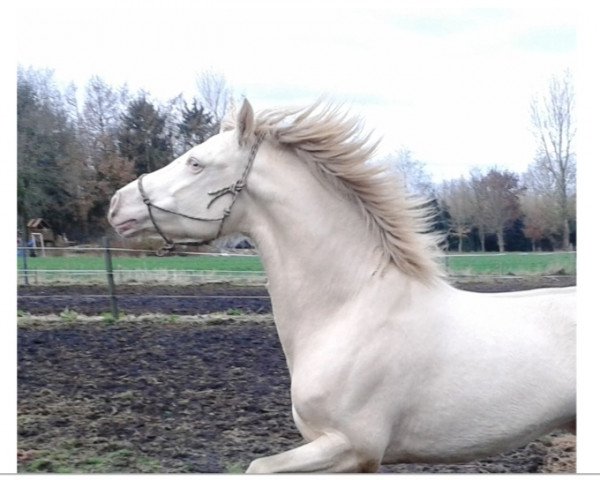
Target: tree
[458, 198]
[99, 124]
[143, 137]
[46, 140]
[215, 95]
[497, 200]
[539, 203]
[479, 204]
[194, 125]
[412, 173]
[101, 116]
[552, 119]
[537, 224]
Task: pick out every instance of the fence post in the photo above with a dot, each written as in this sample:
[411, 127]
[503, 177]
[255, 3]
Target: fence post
[110, 278]
[24, 253]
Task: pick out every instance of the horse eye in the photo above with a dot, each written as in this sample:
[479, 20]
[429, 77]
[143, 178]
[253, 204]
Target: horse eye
[194, 164]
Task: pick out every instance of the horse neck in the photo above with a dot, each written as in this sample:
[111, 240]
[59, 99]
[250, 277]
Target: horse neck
[316, 246]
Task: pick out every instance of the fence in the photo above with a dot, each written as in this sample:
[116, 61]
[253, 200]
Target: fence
[125, 276]
[84, 265]
[119, 266]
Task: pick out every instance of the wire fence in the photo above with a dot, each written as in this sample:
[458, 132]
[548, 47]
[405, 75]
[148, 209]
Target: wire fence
[87, 265]
[84, 265]
[139, 276]
[114, 266]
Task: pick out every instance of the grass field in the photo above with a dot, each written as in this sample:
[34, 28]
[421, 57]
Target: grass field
[469, 264]
[562, 263]
[242, 263]
[167, 270]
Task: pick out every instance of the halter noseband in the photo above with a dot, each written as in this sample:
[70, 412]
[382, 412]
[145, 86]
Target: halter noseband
[234, 190]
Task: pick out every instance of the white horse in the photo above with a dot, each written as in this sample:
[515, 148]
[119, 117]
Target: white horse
[388, 362]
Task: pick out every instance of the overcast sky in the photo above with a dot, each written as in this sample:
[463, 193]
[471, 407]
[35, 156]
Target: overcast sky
[451, 84]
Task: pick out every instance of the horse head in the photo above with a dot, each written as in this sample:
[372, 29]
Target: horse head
[191, 198]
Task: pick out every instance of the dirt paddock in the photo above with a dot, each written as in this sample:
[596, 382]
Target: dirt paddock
[181, 390]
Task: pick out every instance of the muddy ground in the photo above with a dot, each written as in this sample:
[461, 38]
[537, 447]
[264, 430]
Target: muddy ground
[205, 298]
[175, 393]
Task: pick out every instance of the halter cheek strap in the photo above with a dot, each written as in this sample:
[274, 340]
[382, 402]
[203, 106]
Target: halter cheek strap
[233, 190]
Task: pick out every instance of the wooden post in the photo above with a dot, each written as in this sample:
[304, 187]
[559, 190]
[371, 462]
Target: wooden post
[111, 280]
[25, 253]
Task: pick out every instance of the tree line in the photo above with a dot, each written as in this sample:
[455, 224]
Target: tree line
[71, 158]
[501, 210]
[74, 151]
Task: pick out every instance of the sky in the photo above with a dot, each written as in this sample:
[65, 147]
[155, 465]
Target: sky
[453, 84]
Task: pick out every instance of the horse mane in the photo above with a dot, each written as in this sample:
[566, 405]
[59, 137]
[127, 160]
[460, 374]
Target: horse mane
[335, 144]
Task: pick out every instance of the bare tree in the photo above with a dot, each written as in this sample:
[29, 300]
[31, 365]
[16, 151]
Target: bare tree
[412, 172]
[552, 119]
[497, 202]
[540, 206]
[539, 221]
[458, 197]
[103, 168]
[102, 109]
[479, 202]
[215, 94]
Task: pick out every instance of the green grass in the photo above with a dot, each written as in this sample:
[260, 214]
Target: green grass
[83, 461]
[512, 264]
[193, 262]
[468, 264]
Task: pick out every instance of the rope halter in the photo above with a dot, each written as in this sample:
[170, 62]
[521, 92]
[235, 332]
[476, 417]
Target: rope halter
[234, 190]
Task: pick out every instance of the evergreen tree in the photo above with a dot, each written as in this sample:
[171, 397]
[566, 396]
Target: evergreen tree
[196, 124]
[143, 137]
[46, 140]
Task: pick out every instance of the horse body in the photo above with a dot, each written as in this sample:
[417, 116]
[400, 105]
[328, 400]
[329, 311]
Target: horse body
[464, 376]
[388, 363]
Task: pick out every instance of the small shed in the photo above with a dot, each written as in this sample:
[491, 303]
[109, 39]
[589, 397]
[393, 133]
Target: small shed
[39, 225]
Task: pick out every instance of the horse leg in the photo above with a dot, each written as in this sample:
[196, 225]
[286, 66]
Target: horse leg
[328, 453]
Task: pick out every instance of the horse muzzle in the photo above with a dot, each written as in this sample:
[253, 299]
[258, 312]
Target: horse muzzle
[124, 223]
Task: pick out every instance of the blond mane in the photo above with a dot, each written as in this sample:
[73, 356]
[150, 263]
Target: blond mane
[335, 144]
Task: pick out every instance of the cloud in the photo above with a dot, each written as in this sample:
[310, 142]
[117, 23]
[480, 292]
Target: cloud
[548, 40]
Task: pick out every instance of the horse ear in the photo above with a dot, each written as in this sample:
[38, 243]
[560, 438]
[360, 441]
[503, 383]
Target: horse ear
[245, 122]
